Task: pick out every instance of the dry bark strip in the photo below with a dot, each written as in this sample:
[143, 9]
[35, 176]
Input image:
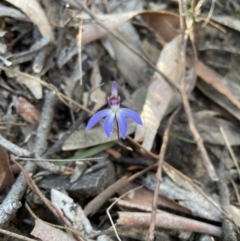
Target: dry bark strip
[43, 131]
[167, 220]
[16, 150]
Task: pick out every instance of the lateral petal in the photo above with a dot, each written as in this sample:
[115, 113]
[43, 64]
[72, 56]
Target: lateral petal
[96, 118]
[131, 114]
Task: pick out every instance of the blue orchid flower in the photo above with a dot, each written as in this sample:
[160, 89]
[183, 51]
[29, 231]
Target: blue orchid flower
[114, 113]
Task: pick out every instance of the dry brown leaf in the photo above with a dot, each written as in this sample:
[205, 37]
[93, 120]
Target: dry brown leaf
[159, 94]
[144, 197]
[26, 110]
[36, 14]
[46, 232]
[163, 23]
[212, 78]
[6, 175]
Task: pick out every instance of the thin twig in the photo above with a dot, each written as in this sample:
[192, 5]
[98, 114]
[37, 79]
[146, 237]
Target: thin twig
[25, 175]
[187, 108]
[15, 235]
[194, 30]
[58, 214]
[49, 86]
[79, 46]
[159, 173]
[209, 14]
[59, 160]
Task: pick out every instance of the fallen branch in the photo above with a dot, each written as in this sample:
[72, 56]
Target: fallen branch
[16, 150]
[159, 173]
[167, 220]
[20, 237]
[43, 131]
[12, 203]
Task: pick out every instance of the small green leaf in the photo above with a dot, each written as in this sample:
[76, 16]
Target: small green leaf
[88, 153]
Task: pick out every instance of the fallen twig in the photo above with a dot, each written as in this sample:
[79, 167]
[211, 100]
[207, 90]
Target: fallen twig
[167, 220]
[43, 131]
[45, 123]
[187, 108]
[15, 235]
[49, 204]
[12, 203]
[159, 173]
[16, 150]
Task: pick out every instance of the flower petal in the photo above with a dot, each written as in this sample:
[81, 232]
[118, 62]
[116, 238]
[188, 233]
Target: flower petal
[122, 124]
[108, 124]
[114, 89]
[97, 117]
[131, 114]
